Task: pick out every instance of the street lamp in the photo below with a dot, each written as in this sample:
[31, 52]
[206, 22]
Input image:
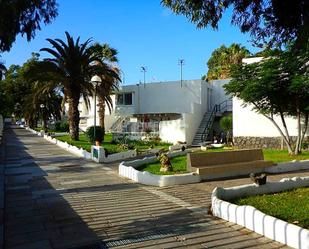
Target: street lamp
[43, 121]
[95, 80]
[144, 70]
[181, 62]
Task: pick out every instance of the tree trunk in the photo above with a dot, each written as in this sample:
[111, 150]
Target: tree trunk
[101, 112]
[286, 140]
[305, 128]
[285, 127]
[73, 117]
[297, 145]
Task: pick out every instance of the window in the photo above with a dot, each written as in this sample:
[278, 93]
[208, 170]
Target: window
[124, 99]
[128, 98]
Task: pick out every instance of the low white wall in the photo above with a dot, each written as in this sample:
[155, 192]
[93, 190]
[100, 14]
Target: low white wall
[127, 169]
[101, 158]
[257, 221]
[85, 154]
[288, 167]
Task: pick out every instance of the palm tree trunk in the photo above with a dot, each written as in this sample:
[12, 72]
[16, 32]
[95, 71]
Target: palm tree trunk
[101, 112]
[74, 117]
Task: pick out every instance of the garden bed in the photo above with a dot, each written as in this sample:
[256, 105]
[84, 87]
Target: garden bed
[130, 170]
[112, 147]
[282, 205]
[257, 221]
[179, 164]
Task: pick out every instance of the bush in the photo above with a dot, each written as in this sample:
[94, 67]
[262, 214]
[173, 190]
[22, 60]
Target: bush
[99, 133]
[62, 126]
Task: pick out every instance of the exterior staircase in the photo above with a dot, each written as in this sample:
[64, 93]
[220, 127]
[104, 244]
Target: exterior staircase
[118, 125]
[203, 131]
[207, 122]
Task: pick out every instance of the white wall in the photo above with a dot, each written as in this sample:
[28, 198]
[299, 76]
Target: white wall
[219, 94]
[110, 117]
[247, 122]
[172, 131]
[192, 122]
[164, 97]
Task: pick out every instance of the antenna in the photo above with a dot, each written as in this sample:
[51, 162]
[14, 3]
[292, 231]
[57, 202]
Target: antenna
[181, 62]
[144, 70]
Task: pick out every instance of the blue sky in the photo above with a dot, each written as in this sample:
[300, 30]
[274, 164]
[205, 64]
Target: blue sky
[144, 33]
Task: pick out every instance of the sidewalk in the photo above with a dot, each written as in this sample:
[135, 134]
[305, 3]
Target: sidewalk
[56, 200]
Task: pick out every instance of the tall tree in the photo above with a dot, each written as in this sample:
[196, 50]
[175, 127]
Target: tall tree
[70, 68]
[2, 70]
[267, 21]
[23, 17]
[23, 98]
[276, 86]
[41, 104]
[223, 58]
[110, 79]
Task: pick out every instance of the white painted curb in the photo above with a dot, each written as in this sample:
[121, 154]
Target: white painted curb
[83, 153]
[254, 219]
[127, 170]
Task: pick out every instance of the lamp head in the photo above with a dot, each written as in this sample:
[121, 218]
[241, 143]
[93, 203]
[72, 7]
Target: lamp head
[96, 80]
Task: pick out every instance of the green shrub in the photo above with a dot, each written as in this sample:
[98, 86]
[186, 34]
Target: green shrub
[62, 126]
[99, 134]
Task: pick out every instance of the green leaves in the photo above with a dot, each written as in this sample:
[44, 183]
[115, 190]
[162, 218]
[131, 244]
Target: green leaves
[266, 21]
[223, 59]
[23, 17]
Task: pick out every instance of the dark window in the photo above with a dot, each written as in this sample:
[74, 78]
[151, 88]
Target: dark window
[120, 99]
[128, 98]
[124, 99]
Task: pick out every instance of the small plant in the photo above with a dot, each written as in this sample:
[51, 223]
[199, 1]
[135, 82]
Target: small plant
[99, 134]
[226, 124]
[165, 163]
[62, 126]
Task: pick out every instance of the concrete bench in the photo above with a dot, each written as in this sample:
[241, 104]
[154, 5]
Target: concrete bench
[214, 165]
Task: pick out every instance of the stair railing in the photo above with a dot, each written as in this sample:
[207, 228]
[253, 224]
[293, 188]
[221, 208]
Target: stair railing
[221, 107]
[224, 105]
[210, 122]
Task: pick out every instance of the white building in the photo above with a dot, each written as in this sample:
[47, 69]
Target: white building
[173, 110]
[187, 111]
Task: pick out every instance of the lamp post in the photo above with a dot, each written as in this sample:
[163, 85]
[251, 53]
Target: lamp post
[43, 121]
[181, 62]
[95, 80]
[144, 70]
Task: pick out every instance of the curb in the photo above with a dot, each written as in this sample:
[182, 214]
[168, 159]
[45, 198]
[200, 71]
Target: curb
[255, 220]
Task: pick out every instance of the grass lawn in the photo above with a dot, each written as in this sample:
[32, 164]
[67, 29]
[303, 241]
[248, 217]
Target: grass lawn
[180, 163]
[279, 156]
[291, 206]
[86, 145]
[111, 148]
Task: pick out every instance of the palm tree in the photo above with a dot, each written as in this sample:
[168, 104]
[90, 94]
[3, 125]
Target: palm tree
[223, 58]
[71, 67]
[107, 57]
[41, 103]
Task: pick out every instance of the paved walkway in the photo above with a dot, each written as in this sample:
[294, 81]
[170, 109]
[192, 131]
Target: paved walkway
[55, 200]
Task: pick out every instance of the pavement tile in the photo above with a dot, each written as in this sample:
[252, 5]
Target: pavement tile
[55, 200]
